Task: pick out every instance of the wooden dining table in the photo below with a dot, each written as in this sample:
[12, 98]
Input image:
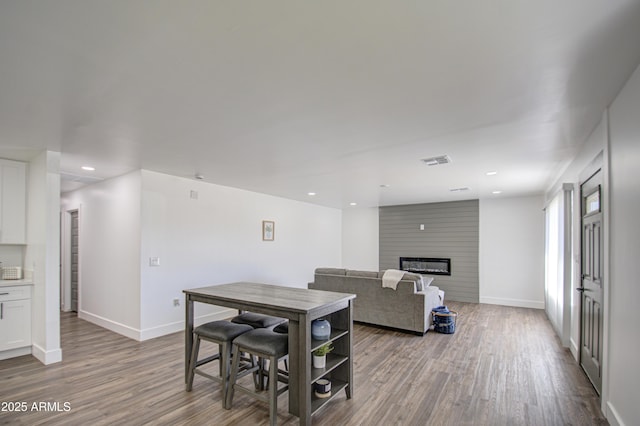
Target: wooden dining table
[300, 306]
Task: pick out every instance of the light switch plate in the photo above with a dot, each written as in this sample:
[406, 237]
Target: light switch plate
[154, 261]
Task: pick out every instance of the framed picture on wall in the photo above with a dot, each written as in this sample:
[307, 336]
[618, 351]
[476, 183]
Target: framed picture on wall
[268, 230]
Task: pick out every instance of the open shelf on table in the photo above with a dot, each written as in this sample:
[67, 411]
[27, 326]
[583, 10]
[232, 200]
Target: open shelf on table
[335, 334]
[332, 362]
[336, 387]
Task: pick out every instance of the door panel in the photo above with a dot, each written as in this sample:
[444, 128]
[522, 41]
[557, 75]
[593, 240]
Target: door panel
[597, 248]
[587, 246]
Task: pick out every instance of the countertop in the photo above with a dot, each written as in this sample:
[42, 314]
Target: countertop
[11, 283]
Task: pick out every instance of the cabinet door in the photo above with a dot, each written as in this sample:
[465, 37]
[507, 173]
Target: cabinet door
[13, 201]
[15, 324]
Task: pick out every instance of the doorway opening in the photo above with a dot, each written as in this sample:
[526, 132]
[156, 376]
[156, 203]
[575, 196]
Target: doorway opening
[70, 283]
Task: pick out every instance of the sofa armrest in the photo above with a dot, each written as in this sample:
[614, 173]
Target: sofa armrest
[432, 298]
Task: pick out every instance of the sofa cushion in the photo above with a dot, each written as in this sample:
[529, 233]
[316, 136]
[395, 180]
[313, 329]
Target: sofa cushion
[416, 278]
[331, 271]
[366, 274]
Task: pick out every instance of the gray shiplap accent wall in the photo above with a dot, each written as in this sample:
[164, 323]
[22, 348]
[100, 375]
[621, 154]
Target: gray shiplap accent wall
[451, 230]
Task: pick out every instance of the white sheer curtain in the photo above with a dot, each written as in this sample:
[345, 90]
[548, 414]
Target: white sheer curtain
[553, 264]
[558, 262]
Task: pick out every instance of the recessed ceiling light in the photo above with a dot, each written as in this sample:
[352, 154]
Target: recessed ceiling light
[311, 193]
[492, 173]
[497, 192]
[88, 168]
[353, 204]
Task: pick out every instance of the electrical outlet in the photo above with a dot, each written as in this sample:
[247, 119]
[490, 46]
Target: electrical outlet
[176, 302]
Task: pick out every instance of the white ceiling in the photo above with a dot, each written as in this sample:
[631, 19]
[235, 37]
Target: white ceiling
[334, 97]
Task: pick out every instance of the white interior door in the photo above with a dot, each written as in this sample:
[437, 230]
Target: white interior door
[592, 308]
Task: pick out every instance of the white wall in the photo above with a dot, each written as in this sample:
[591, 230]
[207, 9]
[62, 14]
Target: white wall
[623, 388]
[109, 245]
[511, 248]
[217, 238]
[512, 251]
[42, 255]
[213, 239]
[360, 245]
[12, 255]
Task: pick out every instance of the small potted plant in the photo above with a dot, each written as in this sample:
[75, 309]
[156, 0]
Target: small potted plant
[320, 355]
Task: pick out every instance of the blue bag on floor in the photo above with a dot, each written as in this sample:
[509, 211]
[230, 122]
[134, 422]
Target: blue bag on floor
[444, 320]
[441, 309]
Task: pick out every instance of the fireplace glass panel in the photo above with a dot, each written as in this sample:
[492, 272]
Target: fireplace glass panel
[426, 265]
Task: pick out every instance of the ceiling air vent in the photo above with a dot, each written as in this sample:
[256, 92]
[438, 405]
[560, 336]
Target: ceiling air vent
[435, 161]
[87, 180]
[461, 189]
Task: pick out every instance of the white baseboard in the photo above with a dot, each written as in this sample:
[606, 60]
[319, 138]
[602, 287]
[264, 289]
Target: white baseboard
[12, 353]
[513, 302]
[46, 357]
[612, 416]
[114, 326]
[151, 333]
[573, 347]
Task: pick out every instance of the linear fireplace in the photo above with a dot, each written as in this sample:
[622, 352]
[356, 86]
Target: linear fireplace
[426, 265]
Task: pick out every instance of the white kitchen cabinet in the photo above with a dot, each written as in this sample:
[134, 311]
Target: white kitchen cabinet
[15, 317]
[13, 202]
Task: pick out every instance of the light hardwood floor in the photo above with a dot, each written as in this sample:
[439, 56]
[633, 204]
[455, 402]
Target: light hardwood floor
[503, 366]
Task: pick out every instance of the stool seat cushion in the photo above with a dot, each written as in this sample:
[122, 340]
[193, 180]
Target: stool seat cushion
[264, 341]
[282, 328]
[223, 331]
[257, 320]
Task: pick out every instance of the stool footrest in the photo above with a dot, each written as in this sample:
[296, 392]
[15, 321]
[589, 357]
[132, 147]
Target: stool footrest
[207, 360]
[208, 376]
[264, 397]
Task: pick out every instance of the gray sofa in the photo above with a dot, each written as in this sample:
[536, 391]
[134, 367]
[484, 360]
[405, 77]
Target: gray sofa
[408, 307]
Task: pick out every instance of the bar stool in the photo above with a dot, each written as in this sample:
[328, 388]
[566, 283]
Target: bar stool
[261, 321]
[267, 345]
[257, 320]
[222, 333]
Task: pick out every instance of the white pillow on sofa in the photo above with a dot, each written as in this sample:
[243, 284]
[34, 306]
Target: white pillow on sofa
[426, 281]
[421, 281]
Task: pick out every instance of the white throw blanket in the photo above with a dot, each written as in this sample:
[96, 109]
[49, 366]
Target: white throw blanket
[391, 277]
